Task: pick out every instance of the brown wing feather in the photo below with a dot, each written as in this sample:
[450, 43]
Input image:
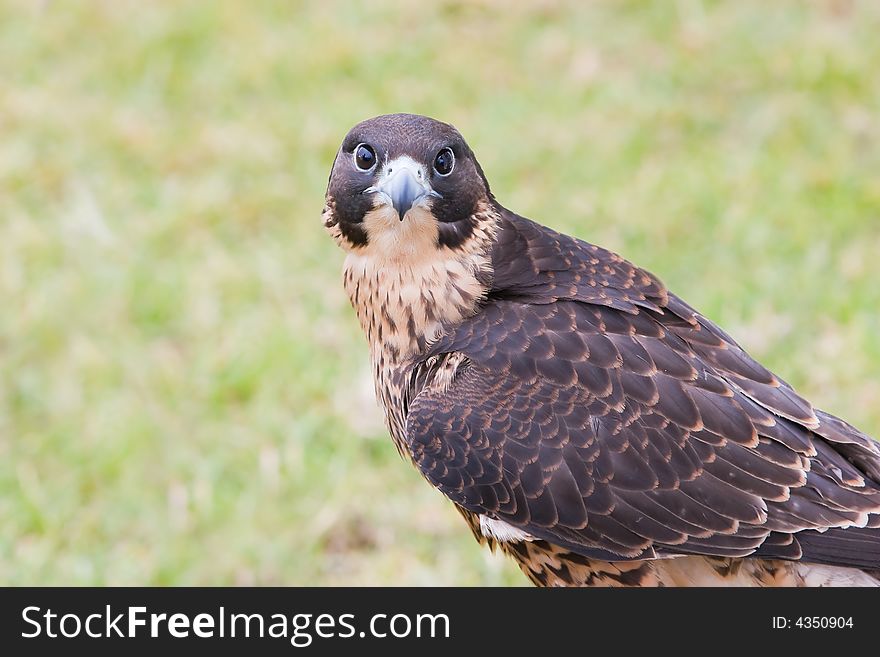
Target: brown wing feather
[598, 412]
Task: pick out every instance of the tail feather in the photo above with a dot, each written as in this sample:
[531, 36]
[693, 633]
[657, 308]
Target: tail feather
[853, 547]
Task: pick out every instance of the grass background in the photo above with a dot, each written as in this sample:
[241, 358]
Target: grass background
[184, 391]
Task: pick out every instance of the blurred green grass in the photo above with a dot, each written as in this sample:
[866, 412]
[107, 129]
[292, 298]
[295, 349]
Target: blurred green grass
[184, 392]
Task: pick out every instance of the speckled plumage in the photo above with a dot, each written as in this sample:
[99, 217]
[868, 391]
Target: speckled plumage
[599, 429]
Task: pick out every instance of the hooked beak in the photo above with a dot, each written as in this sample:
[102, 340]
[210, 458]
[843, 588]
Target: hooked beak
[404, 185]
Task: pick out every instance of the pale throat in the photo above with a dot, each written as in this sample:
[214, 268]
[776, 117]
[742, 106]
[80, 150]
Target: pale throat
[405, 288]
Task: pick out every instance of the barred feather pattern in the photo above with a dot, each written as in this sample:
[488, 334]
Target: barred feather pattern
[629, 437]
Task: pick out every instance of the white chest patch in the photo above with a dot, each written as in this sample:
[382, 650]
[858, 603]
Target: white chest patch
[404, 285]
[502, 531]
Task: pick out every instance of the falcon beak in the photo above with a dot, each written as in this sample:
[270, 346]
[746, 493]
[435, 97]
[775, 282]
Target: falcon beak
[404, 185]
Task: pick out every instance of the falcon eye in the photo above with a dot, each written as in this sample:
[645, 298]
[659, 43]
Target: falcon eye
[444, 162]
[364, 157]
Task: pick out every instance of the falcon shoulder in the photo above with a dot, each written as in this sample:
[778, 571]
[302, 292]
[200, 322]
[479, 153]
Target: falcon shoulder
[585, 405]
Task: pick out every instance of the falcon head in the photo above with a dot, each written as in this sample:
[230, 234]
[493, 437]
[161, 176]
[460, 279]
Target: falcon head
[402, 184]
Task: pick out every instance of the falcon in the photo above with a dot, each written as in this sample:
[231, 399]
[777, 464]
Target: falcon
[581, 417]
